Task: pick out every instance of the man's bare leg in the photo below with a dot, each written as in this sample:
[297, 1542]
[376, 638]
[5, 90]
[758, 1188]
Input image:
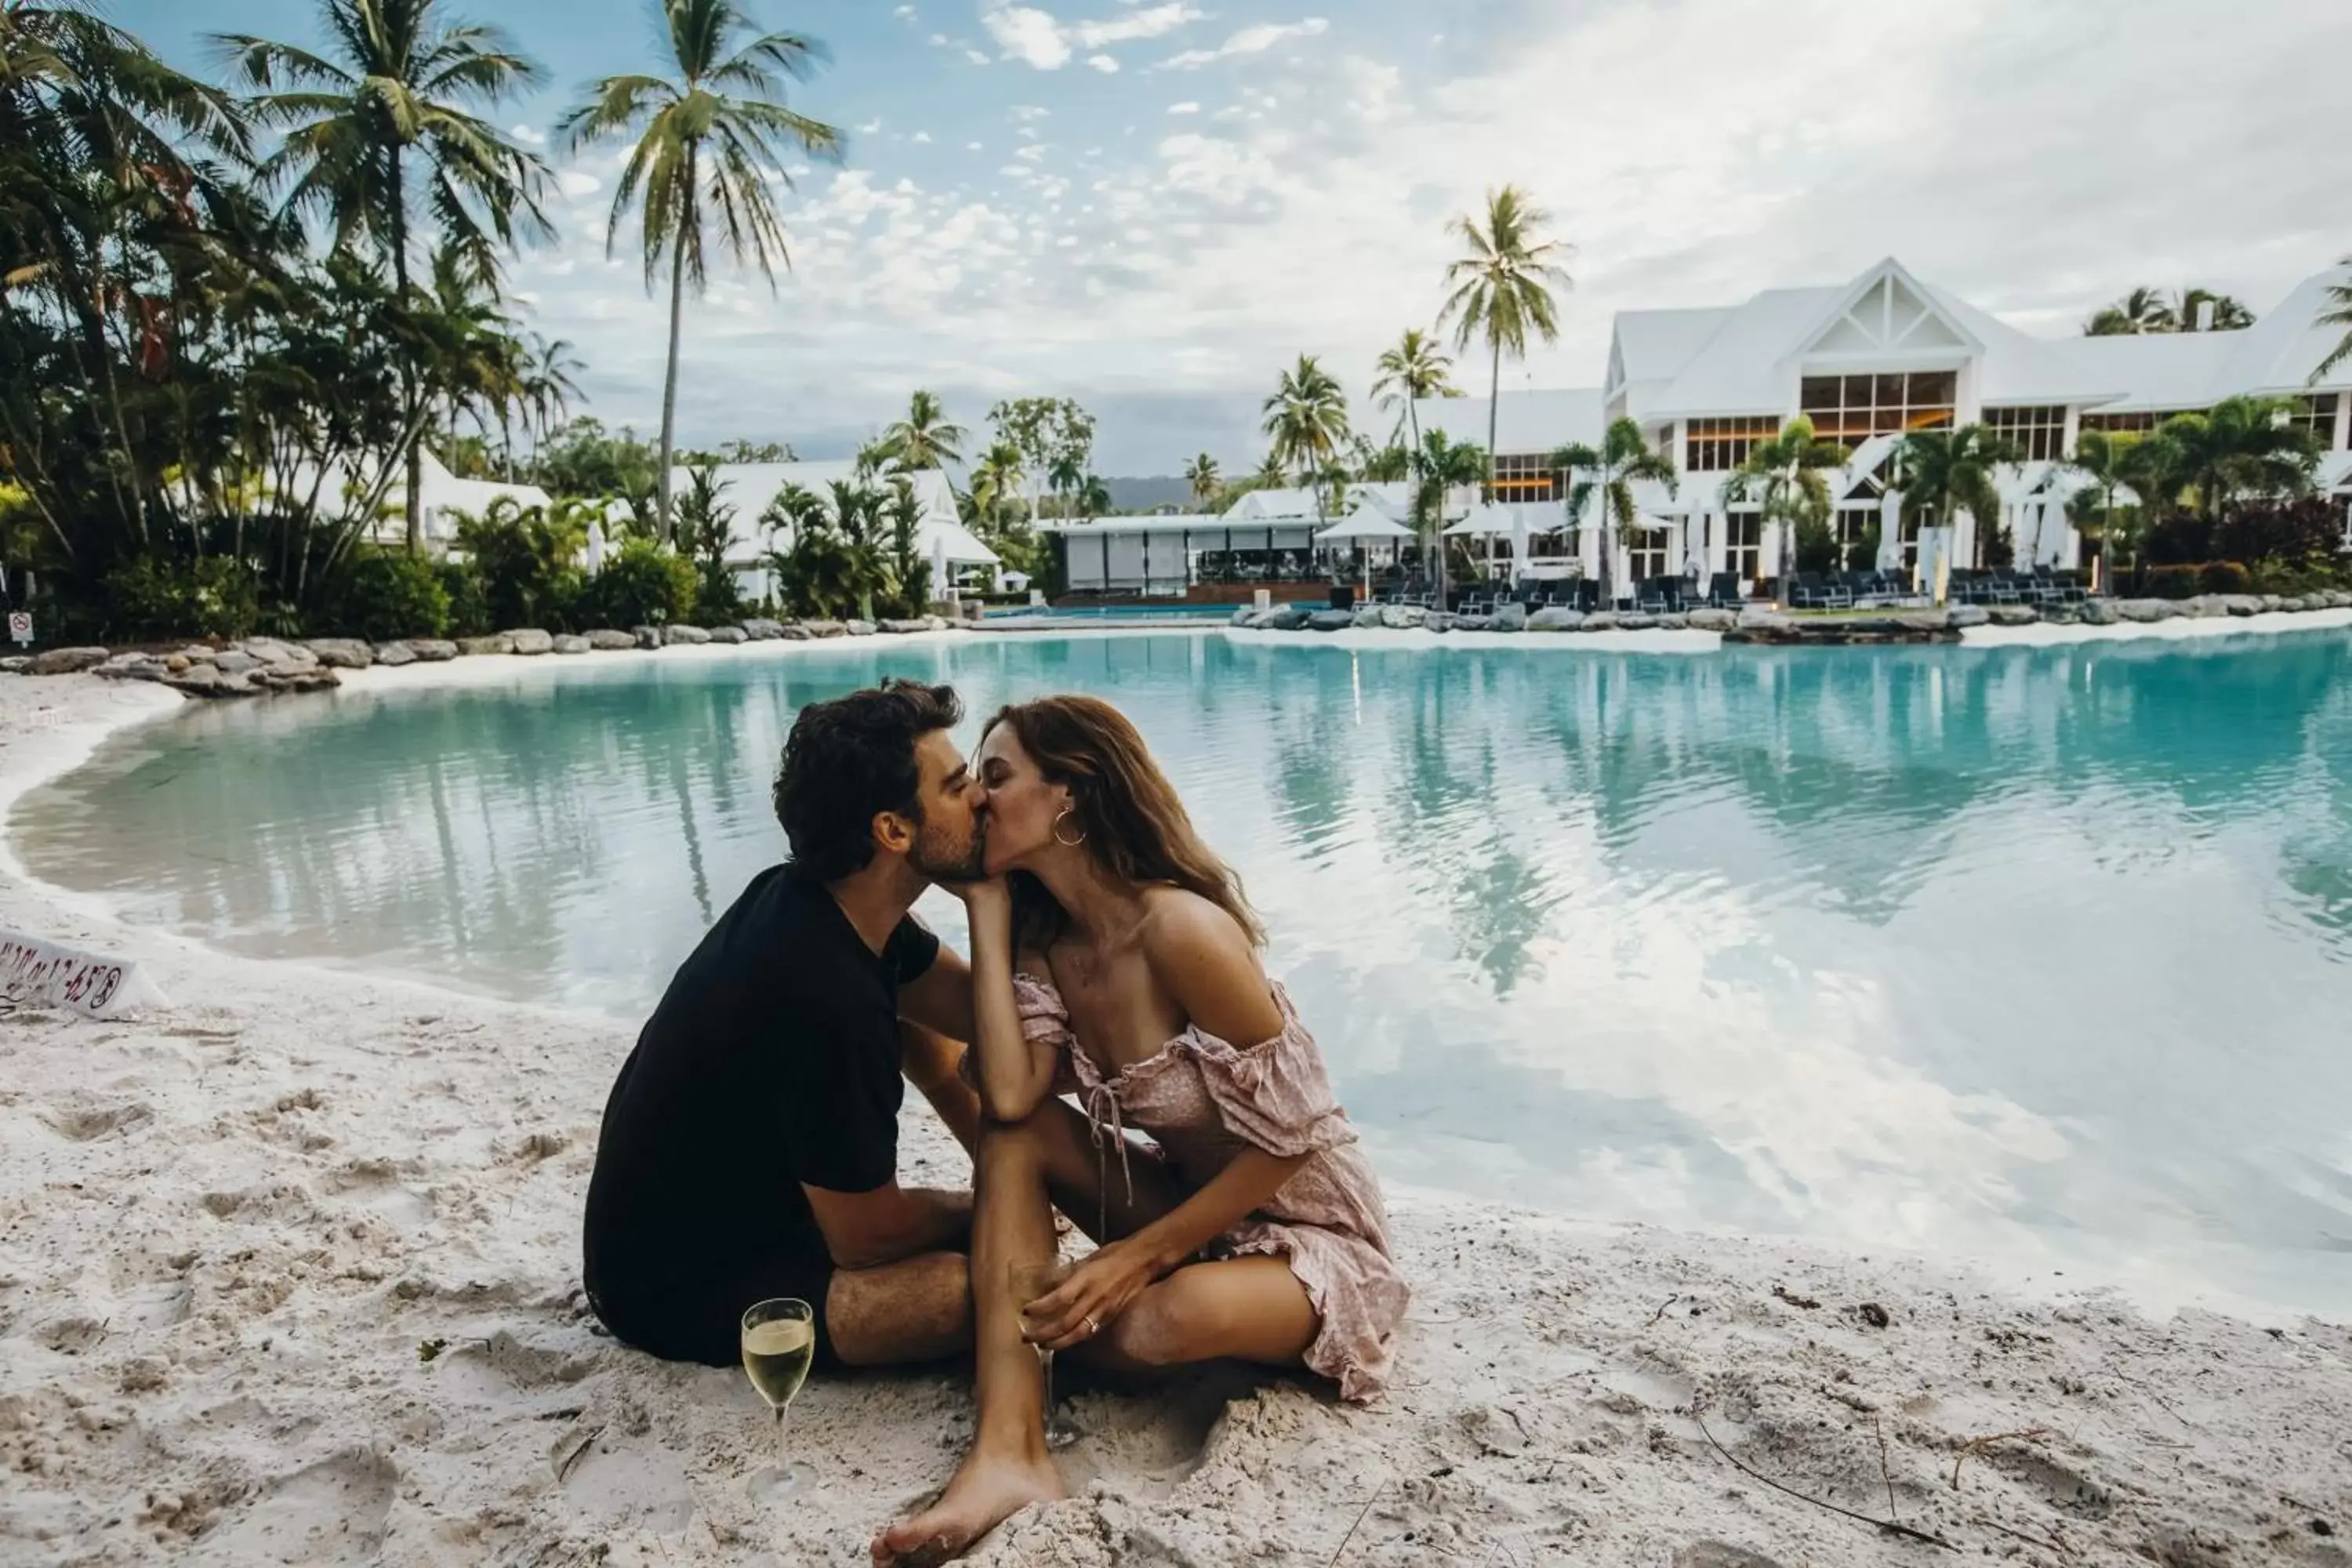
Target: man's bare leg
[917, 1309]
[1008, 1468]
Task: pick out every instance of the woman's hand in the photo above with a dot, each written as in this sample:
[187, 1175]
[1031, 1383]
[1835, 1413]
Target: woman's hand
[1099, 1290]
[988, 896]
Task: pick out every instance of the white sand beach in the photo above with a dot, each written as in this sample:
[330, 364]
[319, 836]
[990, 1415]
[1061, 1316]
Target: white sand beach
[288, 1273]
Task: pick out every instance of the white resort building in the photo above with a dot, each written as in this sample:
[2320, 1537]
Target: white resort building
[1869, 361]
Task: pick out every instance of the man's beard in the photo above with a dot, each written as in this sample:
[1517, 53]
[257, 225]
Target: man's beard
[934, 858]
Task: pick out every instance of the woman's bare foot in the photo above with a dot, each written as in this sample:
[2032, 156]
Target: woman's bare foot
[987, 1490]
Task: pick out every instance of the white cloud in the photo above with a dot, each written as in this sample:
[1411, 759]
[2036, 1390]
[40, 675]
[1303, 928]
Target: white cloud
[976, 57]
[1104, 64]
[869, 128]
[940, 40]
[971, 146]
[904, 13]
[528, 136]
[578, 182]
[1183, 109]
[1036, 38]
[920, 138]
[1248, 41]
[1022, 114]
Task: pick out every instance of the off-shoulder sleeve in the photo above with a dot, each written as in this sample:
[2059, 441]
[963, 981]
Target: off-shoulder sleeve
[1044, 1021]
[1277, 1094]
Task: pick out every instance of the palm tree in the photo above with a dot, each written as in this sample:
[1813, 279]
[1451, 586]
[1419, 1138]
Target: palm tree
[1502, 288]
[1945, 472]
[1271, 474]
[1065, 475]
[1306, 420]
[548, 389]
[2146, 311]
[1608, 471]
[1787, 476]
[1200, 473]
[381, 131]
[709, 142]
[1440, 468]
[2105, 459]
[2337, 314]
[2141, 311]
[995, 479]
[1416, 368]
[925, 438]
[2241, 446]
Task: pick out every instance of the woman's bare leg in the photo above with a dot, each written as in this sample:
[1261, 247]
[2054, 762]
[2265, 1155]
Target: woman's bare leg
[1237, 1309]
[1020, 1170]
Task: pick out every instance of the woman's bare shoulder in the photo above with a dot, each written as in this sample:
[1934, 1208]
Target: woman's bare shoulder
[1208, 964]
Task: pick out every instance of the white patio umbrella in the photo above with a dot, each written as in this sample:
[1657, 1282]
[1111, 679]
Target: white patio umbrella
[1366, 523]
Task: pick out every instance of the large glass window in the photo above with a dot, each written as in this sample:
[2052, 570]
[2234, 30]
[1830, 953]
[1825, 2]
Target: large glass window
[1719, 446]
[1744, 546]
[1851, 409]
[1857, 538]
[1648, 553]
[2038, 433]
[1527, 477]
[2138, 424]
[2317, 414]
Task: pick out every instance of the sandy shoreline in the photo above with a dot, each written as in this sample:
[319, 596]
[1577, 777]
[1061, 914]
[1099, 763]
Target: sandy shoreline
[226, 1230]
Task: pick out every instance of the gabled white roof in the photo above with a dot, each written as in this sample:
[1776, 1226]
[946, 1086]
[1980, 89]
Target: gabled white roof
[2279, 351]
[1655, 345]
[1531, 421]
[1743, 366]
[1286, 505]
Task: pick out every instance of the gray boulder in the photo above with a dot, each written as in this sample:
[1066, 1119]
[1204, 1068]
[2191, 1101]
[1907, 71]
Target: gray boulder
[1284, 618]
[1760, 620]
[760, 629]
[1712, 620]
[792, 631]
[647, 637]
[211, 680]
[2100, 613]
[1673, 621]
[858, 629]
[2242, 604]
[496, 643]
[1243, 614]
[1440, 620]
[2311, 602]
[341, 653]
[1635, 621]
[571, 645]
[612, 641]
[1331, 620]
[1403, 617]
[529, 640]
[393, 655]
[433, 650]
[291, 679]
[2014, 615]
[2061, 614]
[281, 655]
[2338, 599]
[1555, 618]
[1511, 618]
[15, 664]
[1965, 615]
[2204, 606]
[825, 628]
[235, 661]
[131, 667]
[2272, 602]
[684, 636]
[67, 660]
[1473, 623]
[734, 636]
[1369, 615]
[2149, 610]
[1600, 621]
[903, 629]
[1925, 620]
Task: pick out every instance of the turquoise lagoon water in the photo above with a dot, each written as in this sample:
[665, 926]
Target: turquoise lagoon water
[2042, 956]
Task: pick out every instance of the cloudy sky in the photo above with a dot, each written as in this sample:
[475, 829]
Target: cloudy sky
[1153, 205]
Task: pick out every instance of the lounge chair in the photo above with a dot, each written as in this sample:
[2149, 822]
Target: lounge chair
[1725, 591]
[1812, 594]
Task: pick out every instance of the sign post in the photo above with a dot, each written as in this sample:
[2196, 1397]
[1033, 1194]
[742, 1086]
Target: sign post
[20, 626]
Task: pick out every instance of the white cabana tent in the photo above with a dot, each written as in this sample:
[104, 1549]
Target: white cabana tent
[1367, 523]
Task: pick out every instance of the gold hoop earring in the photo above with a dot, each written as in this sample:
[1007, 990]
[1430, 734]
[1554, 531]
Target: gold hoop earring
[1067, 842]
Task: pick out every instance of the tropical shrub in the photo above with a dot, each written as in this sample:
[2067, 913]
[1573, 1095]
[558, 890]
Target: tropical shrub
[385, 594]
[469, 607]
[2172, 581]
[640, 584]
[524, 559]
[2307, 531]
[2292, 580]
[1817, 547]
[154, 597]
[2224, 577]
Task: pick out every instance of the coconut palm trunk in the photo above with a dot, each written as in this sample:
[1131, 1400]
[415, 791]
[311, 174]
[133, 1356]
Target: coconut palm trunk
[669, 380]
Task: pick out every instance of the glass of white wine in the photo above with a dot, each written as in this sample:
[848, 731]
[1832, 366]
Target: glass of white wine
[778, 1342]
[1028, 1282]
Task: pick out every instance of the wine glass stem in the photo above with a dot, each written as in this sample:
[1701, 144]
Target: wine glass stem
[783, 1438]
[1046, 1362]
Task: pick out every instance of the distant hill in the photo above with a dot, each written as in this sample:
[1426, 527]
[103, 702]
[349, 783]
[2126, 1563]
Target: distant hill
[1144, 494]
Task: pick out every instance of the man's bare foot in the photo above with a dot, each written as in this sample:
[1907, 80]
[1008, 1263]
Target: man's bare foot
[987, 1490]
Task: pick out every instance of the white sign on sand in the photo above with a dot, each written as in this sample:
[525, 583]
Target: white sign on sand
[20, 626]
[42, 974]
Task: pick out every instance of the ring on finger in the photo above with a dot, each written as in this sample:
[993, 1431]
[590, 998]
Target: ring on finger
[1092, 1327]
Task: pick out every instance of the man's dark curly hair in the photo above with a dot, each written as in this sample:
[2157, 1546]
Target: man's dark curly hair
[849, 760]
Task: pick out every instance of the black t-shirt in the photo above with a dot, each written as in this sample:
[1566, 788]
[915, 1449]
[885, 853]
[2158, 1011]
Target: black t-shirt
[772, 1060]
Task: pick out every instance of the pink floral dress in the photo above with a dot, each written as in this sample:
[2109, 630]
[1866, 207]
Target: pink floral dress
[1203, 1100]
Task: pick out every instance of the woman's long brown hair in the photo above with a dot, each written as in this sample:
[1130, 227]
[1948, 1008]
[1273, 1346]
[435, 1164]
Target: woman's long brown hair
[1136, 827]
